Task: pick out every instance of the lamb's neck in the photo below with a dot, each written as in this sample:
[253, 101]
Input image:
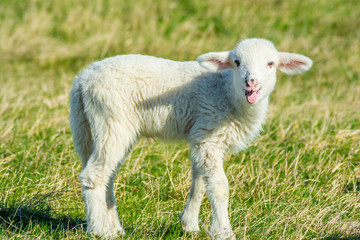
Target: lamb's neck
[192, 68]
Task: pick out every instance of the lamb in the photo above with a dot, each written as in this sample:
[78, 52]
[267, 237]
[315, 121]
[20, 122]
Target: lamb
[217, 103]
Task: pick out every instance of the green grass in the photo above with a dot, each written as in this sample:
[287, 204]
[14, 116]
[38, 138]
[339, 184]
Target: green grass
[299, 180]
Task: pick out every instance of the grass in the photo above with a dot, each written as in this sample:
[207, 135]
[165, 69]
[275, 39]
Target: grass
[299, 180]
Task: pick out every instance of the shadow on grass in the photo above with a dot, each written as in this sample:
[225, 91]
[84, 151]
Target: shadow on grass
[345, 231]
[20, 216]
[341, 237]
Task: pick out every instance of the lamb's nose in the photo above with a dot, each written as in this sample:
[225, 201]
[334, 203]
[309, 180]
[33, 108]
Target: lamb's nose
[251, 82]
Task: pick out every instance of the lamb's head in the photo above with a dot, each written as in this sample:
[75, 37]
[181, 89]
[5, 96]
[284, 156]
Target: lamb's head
[254, 63]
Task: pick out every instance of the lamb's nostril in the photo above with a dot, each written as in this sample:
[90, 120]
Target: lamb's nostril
[251, 82]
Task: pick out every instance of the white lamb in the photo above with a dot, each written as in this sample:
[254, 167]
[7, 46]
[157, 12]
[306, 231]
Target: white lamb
[217, 103]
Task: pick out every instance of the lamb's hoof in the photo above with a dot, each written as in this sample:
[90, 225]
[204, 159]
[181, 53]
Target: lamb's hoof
[226, 234]
[190, 227]
[188, 224]
[110, 234]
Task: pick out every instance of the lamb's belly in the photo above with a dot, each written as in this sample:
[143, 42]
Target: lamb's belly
[160, 123]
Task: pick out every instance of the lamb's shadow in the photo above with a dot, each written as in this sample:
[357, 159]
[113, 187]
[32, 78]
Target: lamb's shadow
[343, 230]
[18, 215]
[342, 237]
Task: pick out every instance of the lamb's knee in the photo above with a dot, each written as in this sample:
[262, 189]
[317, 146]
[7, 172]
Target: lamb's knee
[91, 176]
[217, 185]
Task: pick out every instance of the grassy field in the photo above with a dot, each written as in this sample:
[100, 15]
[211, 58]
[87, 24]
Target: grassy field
[299, 180]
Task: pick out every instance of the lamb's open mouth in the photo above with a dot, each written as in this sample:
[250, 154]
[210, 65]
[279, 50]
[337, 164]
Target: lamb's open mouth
[252, 96]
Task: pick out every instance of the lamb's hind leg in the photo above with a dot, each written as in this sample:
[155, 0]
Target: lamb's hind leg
[97, 179]
[190, 216]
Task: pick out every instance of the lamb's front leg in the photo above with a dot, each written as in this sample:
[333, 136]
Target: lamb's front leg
[217, 189]
[208, 159]
[190, 216]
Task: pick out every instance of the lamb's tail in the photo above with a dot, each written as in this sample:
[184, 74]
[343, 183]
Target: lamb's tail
[79, 124]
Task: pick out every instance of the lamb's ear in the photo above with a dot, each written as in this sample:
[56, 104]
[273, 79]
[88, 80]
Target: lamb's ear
[215, 60]
[293, 63]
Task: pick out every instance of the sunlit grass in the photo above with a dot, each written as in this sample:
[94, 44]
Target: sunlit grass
[299, 180]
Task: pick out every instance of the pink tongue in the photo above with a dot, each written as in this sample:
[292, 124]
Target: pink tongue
[252, 97]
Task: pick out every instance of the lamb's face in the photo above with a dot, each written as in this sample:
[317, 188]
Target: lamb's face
[254, 62]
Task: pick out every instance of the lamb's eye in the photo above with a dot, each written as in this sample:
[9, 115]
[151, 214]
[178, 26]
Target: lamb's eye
[271, 64]
[237, 62]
